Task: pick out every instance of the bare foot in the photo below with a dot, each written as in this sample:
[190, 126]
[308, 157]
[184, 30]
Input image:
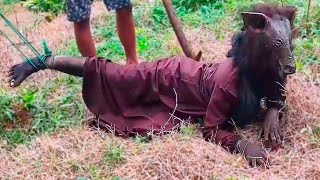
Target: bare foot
[130, 61]
[19, 72]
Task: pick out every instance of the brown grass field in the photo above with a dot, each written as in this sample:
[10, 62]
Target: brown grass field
[73, 153]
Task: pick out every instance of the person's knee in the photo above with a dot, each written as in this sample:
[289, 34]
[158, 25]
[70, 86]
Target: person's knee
[82, 24]
[125, 10]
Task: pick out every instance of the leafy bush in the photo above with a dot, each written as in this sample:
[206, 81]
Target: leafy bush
[192, 4]
[159, 16]
[6, 2]
[54, 7]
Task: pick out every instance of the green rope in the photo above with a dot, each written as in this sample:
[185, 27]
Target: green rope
[41, 58]
[20, 35]
[46, 49]
[18, 49]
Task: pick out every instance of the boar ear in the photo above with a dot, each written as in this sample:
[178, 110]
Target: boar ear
[288, 12]
[258, 21]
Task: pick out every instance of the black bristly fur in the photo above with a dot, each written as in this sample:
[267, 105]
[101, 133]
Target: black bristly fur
[253, 86]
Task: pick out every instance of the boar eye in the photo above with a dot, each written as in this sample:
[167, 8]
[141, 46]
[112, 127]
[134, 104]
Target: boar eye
[278, 42]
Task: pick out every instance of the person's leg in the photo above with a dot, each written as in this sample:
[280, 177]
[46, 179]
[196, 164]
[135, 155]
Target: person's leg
[70, 65]
[84, 38]
[125, 27]
[126, 32]
[79, 12]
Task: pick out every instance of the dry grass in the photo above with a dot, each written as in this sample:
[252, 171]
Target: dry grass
[80, 152]
[204, 40]
[73, 153]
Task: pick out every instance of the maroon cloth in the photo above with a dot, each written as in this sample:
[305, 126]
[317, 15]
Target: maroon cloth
[139, 99]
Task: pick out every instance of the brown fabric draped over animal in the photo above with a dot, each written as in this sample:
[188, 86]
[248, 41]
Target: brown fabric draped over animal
[138, 99]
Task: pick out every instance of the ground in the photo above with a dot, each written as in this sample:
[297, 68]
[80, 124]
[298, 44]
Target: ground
[44, 134]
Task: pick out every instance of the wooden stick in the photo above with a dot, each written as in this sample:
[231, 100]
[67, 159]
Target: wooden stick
[176, 25]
